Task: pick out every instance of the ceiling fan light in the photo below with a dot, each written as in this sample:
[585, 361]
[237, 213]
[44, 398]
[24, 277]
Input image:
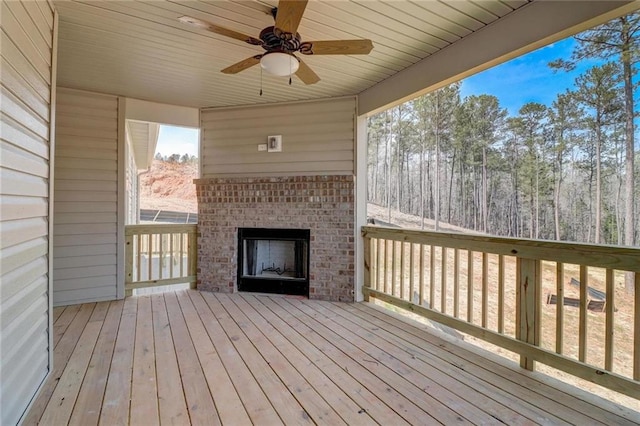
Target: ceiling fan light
[279, 63]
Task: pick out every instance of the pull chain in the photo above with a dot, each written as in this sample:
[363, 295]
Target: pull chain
[260, 81]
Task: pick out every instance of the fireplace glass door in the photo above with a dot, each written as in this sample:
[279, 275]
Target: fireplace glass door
[273, 260]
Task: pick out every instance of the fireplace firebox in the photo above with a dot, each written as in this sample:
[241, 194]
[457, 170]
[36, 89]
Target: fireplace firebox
[272, 260]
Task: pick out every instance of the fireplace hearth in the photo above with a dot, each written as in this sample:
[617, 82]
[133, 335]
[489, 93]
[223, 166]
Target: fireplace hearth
[273, 260]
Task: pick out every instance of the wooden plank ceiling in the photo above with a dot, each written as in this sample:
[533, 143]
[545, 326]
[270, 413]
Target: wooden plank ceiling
[139, 49]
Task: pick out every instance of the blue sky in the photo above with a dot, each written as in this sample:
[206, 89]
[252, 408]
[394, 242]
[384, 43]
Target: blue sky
[177, 140]
[527, 78]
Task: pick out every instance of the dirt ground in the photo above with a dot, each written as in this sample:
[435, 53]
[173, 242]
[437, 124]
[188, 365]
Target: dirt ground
[623, 316]
[169, 186]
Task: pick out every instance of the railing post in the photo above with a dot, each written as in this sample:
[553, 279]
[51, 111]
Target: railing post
[193, 256]
[128, 267]
[367, 267]
[528, 315]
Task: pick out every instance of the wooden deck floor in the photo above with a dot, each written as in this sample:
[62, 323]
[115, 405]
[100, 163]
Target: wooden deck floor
[203, 358]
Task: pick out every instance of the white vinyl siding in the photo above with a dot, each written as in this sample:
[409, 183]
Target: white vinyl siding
[25, 84]
[86, 198]
[317, 138]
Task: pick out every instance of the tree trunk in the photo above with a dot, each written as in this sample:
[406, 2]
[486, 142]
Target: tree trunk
[450, 203]
[598, 224]
[485, 226]
[436, 211]
[629, 227]
[422, 183]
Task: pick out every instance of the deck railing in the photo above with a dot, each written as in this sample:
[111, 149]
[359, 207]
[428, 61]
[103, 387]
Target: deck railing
[516, 294]
[158, 255]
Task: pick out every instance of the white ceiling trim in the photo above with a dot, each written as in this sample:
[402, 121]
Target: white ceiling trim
[528, 28]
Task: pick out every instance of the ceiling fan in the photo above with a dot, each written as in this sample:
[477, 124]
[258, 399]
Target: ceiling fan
[281, 41]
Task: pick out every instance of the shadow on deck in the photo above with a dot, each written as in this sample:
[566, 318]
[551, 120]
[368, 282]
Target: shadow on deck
[203, 358]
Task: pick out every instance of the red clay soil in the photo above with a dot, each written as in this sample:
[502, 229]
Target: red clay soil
[169, 186]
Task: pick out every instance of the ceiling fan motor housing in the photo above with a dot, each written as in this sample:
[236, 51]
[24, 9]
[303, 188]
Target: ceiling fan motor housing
[276, 40]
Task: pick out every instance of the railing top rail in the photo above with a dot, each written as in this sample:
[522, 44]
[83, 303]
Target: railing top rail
[160, 229]
[614, 257]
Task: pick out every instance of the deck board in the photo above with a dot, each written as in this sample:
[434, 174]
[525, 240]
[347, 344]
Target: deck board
[89, 402]
[62, 352]
[228, 403]
[173, 410]
[196, 391]
[144, 389]
[285, 404]
[259, 330]
[187, 357]
[446, 407]
[366, 402]
[337, 349]
[297, 385]
[491, 397]
[448, 390]
[117, 396]
[531, 388]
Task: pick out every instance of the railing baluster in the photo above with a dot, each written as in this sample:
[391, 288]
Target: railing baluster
[609, 320]
[172, 237]
[470, 286]
[412, 288]
[432, 276]
[181, 254]
[582, 329]
[636, 327]
[378, 263]
[139, 255]
[456, 282]
[485, 288]
[160, 255]
[500, 293]
[385, 265]
[443, 280]
[559, 307]
[373, 245]
[421, 295]
[402, 247]
[394, 267]
[150, 257]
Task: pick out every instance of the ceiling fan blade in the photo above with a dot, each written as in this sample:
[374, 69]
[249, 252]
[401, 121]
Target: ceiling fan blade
[198, 23]
[242, 65]
[337, 47]
[306, 74]
[289, 15]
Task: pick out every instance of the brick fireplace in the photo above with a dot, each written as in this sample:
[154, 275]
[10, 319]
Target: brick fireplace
[322, 204]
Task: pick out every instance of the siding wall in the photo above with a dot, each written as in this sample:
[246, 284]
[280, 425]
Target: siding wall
[86, 198]
[26, 86]
[318, 139]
